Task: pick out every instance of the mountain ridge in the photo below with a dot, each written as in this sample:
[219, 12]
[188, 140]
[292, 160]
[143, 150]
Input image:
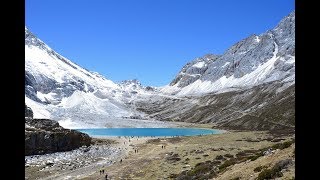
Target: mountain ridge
[230, 69]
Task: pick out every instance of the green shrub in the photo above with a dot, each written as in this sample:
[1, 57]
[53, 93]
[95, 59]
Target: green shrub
[228, 155]
[236, 178]
[259, 168]
[265, 174]
[275, 171]
[215, 162]
[173, 175]
[256, 156]
[219, 157]
[241, 154]
[198, 164]
[226, 164]
[269, 174]
[242, 159]
[200, 168]
[286, 144]
[282, 145]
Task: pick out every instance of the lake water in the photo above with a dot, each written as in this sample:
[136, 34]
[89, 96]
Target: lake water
[159, 132]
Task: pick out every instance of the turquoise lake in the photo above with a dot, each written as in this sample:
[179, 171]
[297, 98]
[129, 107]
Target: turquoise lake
[158, 132]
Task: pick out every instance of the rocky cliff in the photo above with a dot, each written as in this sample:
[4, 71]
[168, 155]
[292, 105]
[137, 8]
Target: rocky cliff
[47, 136]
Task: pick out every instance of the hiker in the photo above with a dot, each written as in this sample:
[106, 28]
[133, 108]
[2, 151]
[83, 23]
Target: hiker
[106, 176]
[102, 171]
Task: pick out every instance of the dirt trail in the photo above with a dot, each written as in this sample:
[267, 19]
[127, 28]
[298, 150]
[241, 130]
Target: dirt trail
[77, 173]
[123, 143]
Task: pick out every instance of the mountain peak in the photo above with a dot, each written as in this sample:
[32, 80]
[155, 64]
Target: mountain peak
[252, 61]
[132, 81]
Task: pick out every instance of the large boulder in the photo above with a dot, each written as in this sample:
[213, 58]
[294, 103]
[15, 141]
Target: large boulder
[28, 112]
[44, 136]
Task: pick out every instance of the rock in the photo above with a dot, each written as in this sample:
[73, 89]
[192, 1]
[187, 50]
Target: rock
[283, 164]
[149, 88]
[267, 152]
[49, 163]
[199, 151]
[47, 136]
[28, 112]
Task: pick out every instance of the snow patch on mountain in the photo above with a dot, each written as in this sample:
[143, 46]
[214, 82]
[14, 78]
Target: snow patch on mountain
[227, 63]
[258, 75]
[40, 62]
[258, 39]
[39, 112]
[200, 64]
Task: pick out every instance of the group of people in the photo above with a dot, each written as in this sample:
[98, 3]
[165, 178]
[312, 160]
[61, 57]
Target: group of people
[102, 172]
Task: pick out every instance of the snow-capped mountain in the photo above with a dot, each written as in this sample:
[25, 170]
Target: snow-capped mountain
[254, 60]
[250, 86]
[59, 89]
[51, 77]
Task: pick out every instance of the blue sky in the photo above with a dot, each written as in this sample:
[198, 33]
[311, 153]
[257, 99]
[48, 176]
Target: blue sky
[148, 40]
